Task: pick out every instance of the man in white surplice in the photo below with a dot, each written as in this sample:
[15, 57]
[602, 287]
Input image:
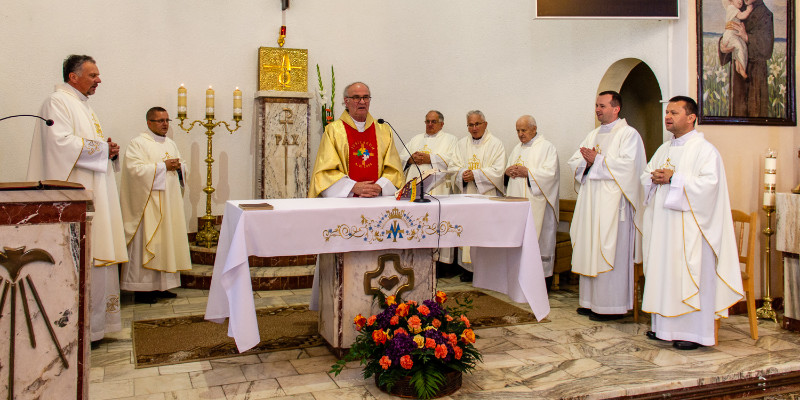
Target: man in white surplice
[532, 172]
[152, 210]
[75, 149]
[691, 263]
[480, 161]
[605, 230]
[434, 149]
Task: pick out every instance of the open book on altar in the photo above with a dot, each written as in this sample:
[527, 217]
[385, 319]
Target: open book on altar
[413, 189]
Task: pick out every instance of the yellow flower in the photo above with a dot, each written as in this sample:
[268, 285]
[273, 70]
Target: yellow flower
[420, 341]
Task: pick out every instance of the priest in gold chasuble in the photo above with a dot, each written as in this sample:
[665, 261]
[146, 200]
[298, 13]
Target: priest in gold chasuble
[357, 156]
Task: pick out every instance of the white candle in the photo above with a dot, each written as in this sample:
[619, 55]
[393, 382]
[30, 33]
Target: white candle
[182, 102]
[210, 103]
[769, 199]
[237, 103]
[770, 164]
[769, 179]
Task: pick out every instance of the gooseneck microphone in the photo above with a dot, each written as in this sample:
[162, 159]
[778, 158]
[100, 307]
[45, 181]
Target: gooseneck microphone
[48, 122]
[421, 198]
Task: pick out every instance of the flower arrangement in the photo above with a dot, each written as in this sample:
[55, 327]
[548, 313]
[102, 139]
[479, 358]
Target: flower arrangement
[422, 341]
[327, 112]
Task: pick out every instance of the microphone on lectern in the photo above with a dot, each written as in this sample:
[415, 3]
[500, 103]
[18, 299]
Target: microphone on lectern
[48, 122]
[421, 198]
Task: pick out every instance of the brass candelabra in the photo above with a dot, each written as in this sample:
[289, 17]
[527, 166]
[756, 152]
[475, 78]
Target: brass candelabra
[766, 311]
[208, 235]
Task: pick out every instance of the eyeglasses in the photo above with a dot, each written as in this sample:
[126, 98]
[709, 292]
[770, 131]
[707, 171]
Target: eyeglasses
[431, 121]
[475, 125]
[358, 99]
[160, 121]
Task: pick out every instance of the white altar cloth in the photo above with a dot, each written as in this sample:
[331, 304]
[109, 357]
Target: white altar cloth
[507, 260]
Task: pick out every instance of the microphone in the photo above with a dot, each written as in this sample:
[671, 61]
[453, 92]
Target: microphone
[421, 198]
[48, 122]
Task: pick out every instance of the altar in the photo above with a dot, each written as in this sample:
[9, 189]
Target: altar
[506, 258]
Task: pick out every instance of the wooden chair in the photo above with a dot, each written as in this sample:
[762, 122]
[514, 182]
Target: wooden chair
[563, 261]
[744, 225]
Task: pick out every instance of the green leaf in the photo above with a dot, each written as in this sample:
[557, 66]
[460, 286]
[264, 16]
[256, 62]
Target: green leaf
[427, 381]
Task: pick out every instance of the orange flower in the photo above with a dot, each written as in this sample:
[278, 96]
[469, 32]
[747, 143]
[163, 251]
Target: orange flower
[448, 318]
[402, 310]
[441, 297]
[465, 320]
[395, 320]
[452, 338]
[411, 303]
[436, 323]
[385, 362]
[371, 320]
[468, 336]
[390, 300]
[415, 324]
[424, 310]
[441, 351]
[457, 352]
[379, 336]
[405, 362]
[400, 330]
[360, 321]
[430, 343]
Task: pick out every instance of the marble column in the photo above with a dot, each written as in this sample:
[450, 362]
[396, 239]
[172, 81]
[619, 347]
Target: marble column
[787, 240]
[347, 281]
[282, 151]
[44, 291]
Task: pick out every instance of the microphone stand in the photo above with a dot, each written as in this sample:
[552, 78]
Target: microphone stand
[421, 198]
[48, 122]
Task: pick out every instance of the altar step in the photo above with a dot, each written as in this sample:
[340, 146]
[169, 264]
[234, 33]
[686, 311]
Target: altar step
[266, 273]
[263, 278]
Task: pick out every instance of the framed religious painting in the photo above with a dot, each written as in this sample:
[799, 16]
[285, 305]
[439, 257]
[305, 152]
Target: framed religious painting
[746, 62]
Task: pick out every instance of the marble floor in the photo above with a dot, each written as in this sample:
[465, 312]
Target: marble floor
[568, 357]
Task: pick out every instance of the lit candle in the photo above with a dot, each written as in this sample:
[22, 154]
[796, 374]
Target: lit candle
[770, 164]
[210, 103]
[237, 103]
[181, 102]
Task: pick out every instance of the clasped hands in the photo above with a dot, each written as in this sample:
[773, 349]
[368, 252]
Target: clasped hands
[588, 155]
[421, 158]
[173, 164]
[113, 149]
[516, 171]
[661, 176]
[366, 189]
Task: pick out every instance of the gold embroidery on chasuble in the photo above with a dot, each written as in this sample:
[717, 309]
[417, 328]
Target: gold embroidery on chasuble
[597, 149]
[519, 161]
[97, 129]
[92, 146]
[425, 149]
[167, 156]
[474, 163]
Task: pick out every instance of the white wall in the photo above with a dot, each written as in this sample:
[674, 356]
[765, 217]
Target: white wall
[415, 55]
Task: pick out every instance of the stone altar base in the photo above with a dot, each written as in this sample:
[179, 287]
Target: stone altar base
[347, 279]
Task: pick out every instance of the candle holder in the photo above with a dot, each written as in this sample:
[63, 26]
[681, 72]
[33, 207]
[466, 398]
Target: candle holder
[766, 311]
[208, 235]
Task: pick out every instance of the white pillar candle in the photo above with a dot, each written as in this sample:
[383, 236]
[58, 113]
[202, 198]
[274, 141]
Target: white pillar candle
[182, 102]
[210, 103]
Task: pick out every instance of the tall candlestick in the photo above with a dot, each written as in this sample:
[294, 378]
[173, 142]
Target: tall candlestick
[182, 102]
[210, 103]
[237, 104]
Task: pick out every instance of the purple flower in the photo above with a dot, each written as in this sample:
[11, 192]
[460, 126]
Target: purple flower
[399, 346]
[383, 318]
[436, 309]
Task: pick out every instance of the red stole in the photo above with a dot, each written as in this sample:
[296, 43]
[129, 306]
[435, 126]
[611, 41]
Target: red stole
[363, 154]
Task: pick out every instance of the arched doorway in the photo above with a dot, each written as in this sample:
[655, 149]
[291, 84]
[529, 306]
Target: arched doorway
[641, 99]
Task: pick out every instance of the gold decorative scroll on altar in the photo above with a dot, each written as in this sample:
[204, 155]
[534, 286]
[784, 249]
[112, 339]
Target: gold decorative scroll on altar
[282, 69]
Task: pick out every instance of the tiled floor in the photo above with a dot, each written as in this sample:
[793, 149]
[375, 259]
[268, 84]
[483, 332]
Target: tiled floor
[570, 356]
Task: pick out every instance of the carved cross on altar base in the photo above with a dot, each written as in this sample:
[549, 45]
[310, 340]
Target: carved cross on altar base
[286, 121]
